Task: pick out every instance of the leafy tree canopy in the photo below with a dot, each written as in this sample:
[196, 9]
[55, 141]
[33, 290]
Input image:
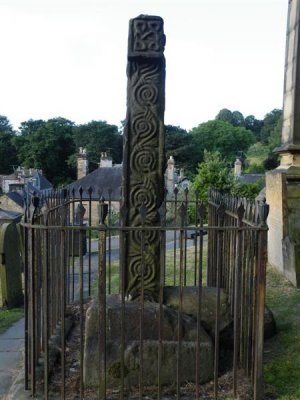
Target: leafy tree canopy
[97, 137]
[222, 137]
[48, 145]
[178, 145]
[213, 172]
[269, 124]
[8, 151]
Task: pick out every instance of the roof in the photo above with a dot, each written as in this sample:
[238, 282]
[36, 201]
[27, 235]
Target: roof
[10, 215]
[42, 182]
[17, 197]
[100, 180]
[250, 178]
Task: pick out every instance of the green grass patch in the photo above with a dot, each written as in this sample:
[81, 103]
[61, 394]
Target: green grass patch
[9, 316]
[282, 361]
[257, 153]
[190, 263]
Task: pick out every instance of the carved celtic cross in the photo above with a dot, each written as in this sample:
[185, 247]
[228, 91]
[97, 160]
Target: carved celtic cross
[143, 155]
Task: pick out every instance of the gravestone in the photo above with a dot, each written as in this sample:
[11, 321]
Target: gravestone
[283, 183]
[143, 153]
[10, 266]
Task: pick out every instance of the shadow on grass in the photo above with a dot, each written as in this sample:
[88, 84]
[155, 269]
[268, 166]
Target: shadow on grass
[282, 352]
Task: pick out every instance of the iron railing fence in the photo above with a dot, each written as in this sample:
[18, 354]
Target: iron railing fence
[69, 261]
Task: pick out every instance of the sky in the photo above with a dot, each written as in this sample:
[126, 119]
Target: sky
[68, 58]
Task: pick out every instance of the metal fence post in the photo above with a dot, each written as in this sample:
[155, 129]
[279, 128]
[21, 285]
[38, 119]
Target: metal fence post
[260, 301]
[103, 210]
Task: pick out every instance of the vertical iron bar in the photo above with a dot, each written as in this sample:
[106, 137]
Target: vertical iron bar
[46, 310]
[81, 292]
[109, 240]
[102, 300]
[181, 266]
[175, 236]
[90, 191]
[32, 314]
[201, 213]
[260, 295]
[221, 213]
[63, 301]
[26, 300]
[237, 298]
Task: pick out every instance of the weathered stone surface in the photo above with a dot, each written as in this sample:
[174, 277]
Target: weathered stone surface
[150, 344]
[208, 305]
[143, 154]
[10, 266]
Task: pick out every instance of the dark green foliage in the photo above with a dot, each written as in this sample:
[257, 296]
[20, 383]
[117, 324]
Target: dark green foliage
[8, 151]
[254, 125]
[224, 115]
[213, 172]
[97, 137]
[249, 190]
[219, 136]
[270, 122]
[48, 145]
[179, 145]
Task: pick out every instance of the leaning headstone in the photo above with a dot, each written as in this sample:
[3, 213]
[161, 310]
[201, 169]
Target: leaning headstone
[143, 153]
[10, 266]
[282, 184]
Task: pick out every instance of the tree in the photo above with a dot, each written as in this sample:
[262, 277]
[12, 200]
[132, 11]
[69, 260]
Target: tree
[213, 172]
[97, 137]
[48, 145]
[254, 125]
[8, 151]
[237, 119]
[269, 123]
[219, 136]
[224, 115]
[178, 145]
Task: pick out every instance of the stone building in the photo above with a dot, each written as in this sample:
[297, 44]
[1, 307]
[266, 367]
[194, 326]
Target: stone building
[175, 177]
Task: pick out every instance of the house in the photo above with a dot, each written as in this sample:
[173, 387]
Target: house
[245, 179]
[20, 185]
[175, 178]
[23, 177]
[105, 181]
[10, 216]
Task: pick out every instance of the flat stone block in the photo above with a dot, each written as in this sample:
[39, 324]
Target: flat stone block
[169, 347]
[208, 305]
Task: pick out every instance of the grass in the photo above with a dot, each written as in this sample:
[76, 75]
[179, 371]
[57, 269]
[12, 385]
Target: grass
[172, 274]
[257, 153]
[9, 316]
[282, 352]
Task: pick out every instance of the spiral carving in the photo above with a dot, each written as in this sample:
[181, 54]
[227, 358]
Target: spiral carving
[146, 94]
[143, 160]
[142, 196]
[144, 126]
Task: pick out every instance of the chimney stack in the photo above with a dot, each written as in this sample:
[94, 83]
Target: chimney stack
[82, 163]
[238, 167]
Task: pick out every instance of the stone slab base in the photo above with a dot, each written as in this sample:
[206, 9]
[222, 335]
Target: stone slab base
[169, 346]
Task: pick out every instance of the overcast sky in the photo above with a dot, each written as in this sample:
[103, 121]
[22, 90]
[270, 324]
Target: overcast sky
[68, 58]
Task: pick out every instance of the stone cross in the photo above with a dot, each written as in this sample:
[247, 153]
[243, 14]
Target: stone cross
[143, 155]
